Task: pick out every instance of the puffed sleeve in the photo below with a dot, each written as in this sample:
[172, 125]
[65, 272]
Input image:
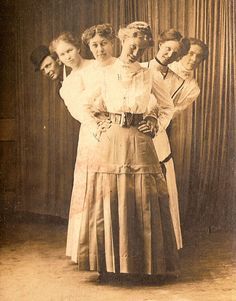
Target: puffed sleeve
[70, 92]
[165, 106]
[90, 104]
[186, 96]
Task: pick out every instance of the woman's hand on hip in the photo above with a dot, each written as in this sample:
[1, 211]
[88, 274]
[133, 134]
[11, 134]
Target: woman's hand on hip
[148, 126]
[103, 126]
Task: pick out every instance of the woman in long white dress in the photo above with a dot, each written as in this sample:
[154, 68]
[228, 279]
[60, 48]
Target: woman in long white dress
[67, 47]
[126, 224]
[172, 46]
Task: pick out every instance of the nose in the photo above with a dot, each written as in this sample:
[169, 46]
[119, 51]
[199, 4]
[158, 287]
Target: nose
[135, 52]
[67, 56]
[100, 48]
[170, 53]
[193, 58]
[46, 71]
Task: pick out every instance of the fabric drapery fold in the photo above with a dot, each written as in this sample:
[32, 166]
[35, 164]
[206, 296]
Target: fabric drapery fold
[203, 153]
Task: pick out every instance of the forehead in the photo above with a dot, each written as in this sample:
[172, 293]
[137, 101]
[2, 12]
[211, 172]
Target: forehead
[62, 45]
[138, 41]
[46, 61]
[196, 49]
[98, 39]
[172, 44]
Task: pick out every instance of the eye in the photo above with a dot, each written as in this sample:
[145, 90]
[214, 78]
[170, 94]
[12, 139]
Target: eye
[133, 47]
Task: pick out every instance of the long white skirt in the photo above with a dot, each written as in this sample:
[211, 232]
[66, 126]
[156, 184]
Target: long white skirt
[162, 146]
[120, 219]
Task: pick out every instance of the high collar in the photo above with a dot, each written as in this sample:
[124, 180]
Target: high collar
[158, 66]
[132, 67]
[178, 68]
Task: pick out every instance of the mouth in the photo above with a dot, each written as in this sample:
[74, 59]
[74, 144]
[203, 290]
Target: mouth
[132, 58]
[101, 55]
[191, 62]
[166, 59]
[51, 75]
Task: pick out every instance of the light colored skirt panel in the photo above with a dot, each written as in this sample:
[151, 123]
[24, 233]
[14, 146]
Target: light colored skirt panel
[86, 146]
[162, 146]
[125, 224]
[173, 200]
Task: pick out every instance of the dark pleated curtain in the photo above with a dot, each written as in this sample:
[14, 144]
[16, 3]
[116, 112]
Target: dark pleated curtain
[203, 143]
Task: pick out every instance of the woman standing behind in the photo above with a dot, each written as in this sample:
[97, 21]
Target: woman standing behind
[172, 46]
[126, 225]
[84, 75]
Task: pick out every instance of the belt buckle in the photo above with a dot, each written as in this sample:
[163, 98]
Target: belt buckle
[126, 119]
[122, 119]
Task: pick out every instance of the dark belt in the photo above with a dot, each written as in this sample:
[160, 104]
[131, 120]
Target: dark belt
[162, 163]
[125, 119]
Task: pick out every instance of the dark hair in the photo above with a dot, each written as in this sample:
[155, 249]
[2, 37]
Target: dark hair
[194, 41]
[67, 37]
[174, 35]
[54, 56]
[103, 30]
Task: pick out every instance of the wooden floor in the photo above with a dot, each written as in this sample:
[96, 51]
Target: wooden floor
[33, 267]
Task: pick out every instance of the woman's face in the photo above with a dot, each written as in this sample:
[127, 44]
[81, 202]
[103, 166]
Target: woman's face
[193, 58]
[101, 48]
[168, 52]
[68, 54]
[132, 49]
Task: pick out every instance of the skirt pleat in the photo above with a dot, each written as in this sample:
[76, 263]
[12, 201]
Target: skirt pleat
[125, 223]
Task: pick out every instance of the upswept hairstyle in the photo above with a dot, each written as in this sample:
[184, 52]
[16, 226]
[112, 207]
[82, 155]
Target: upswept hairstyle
[174, 35]
[104, 30]
[67, 37]
[194, 41]
[136, 28]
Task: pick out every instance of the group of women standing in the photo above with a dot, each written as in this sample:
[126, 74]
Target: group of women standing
[123, 217]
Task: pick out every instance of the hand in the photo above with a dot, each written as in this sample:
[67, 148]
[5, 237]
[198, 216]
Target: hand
[103, 126]
[148, 126]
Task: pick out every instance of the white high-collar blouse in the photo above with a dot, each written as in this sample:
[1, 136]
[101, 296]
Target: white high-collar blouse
[183, 91]
[128, 88]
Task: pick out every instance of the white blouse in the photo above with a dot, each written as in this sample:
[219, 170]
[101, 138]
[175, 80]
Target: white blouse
[127, 88]
[179, 69]
[183, 91]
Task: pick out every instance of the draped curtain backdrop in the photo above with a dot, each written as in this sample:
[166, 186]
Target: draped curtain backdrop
[48, 135]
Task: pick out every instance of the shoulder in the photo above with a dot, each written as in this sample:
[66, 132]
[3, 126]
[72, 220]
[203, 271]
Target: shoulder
[173, 66]
[191, 87]
[192, 83]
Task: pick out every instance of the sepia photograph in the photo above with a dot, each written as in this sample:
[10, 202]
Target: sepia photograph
[117, 150]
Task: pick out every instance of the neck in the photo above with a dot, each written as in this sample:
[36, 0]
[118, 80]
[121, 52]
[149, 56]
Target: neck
[161, 67]
[79, 65]
[106, 62]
